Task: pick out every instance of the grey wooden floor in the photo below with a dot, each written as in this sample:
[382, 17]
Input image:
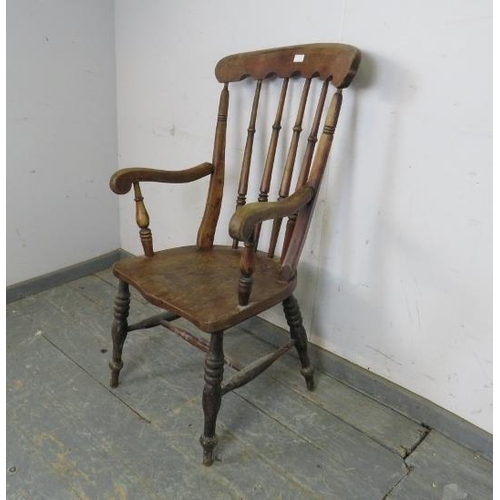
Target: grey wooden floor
[70, 436]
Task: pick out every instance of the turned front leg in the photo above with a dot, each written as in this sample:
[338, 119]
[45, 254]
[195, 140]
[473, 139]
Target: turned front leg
[298, 333]
[212, 395]
[119, 330]
[246, 279]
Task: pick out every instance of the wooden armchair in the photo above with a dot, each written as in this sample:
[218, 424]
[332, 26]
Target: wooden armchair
[216, 287]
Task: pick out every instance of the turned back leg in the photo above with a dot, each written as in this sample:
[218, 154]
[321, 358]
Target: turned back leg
[298, 333]
[212, 396]
[119, 330]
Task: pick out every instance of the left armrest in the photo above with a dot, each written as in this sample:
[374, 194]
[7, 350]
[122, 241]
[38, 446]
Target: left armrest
[244, 219]
[121, 181]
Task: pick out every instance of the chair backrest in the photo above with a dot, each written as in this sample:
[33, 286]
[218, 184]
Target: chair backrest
[331, 66]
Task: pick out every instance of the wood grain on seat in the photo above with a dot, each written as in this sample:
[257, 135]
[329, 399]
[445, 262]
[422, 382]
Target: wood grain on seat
[201, 285]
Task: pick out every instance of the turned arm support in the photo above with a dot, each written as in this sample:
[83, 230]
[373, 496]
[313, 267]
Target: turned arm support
[121, 181]
[241, 227]
[243, 221]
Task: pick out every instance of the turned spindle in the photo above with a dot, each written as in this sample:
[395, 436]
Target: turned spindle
[212, 395]
[246, 279]
[142, 219]
[119, 330]
[306, 164]
[298, 334]
[247, 155]
[290, 258]
[265, 184]
[286, 178]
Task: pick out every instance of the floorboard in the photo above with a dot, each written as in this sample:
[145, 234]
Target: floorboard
[443, 470]
[70, 436]
[89, 438]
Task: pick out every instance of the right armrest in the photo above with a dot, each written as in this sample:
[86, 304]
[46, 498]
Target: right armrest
[122, 180]
[244, 219]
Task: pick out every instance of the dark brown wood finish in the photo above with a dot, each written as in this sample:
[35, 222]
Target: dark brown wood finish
[206, 232]
[324, 60]
[298, 334]
[212, 395]
[142, 219]
[294, 247]
[254, 369]
[304, 172]
[153, 321]
[273, 143]
[265, 184]
[244, 219]
[286, 178]
[119, 330]
[247, 155]
[216, 287]
[201, 285]
[121, 182]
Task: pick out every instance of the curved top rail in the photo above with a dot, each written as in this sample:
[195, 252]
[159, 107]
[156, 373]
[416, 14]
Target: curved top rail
[323, 60]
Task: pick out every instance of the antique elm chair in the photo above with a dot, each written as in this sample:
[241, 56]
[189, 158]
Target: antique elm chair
[216, 287]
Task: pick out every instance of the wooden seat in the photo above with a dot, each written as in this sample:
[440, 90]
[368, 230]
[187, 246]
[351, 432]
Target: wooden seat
[214, 286]
[200, 285]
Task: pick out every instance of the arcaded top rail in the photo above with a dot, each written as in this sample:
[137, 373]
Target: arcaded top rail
[323, 60]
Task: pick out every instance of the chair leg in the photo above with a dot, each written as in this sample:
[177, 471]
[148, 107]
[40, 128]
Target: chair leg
[212, 396]
[119, 330]
[298, 333]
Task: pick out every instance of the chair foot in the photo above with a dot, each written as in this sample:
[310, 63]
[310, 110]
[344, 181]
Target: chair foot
[115, 373]
[298, 333]
[208, 449]
[212, 395]
[119, 331]
[308, 374]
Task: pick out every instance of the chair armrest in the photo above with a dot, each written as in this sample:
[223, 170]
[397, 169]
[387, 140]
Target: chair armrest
[244, 219]
[122, 180]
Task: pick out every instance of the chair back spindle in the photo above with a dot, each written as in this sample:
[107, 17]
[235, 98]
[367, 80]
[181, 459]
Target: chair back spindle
[335, 66]
[305, 168]
[286, 179]
[247, 155]
[290, 258]
[265, 185]
[271, 154]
